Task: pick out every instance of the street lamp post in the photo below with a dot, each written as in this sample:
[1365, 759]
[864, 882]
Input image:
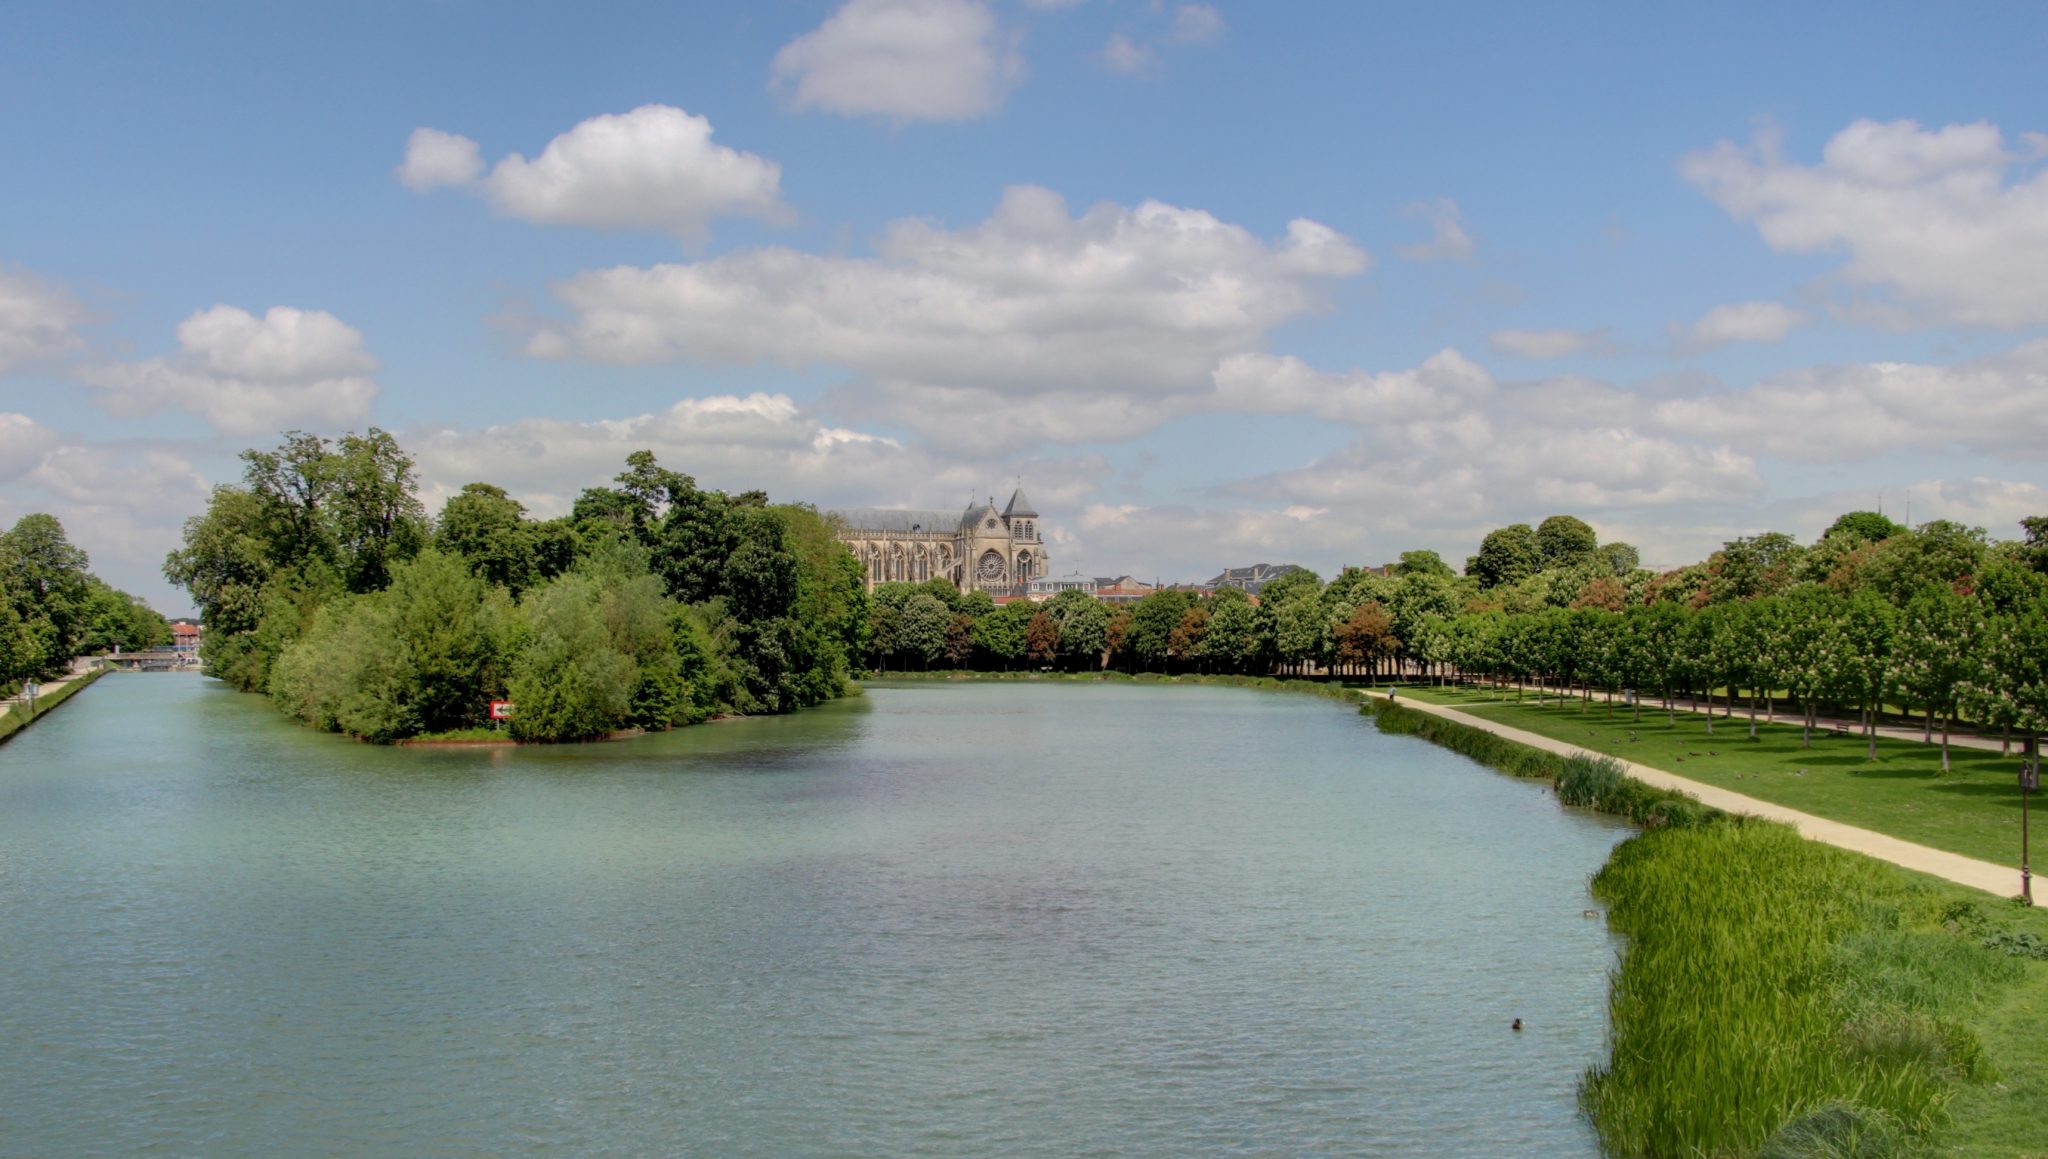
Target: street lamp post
[2030, 780]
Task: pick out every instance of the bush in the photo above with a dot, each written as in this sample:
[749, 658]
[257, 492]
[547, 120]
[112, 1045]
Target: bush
[1840, 1131]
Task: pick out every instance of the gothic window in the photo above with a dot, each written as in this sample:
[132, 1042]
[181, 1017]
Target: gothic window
[1025, 533]
[991, 525]
[990, 569]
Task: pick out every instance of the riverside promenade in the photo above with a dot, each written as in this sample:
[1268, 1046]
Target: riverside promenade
[2002, 880]
[14, 710]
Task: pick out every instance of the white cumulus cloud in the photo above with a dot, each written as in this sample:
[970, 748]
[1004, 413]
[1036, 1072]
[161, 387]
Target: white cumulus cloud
[1936, 220]
[902, 60]
[1121, 306]
[434, 159]
[248, 375]
[1987, 406]
[1740, 322]
[655, 167]
[38, 319]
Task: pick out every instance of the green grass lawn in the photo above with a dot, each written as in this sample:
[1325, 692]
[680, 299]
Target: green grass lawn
[1455, 695]
[1974, 810]
[2008, 1115]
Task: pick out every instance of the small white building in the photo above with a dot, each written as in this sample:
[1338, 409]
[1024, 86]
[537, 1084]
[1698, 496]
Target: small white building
[1045, 587]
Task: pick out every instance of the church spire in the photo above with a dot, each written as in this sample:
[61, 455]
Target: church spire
[1019, 505]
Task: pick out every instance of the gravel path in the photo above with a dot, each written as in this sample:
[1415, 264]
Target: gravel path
[1987, 876]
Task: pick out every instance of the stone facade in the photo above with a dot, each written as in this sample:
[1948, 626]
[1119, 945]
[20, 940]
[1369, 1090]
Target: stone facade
[981, 547]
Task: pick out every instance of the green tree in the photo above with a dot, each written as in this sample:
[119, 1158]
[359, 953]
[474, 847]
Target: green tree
[1423, 563]
[1867, 624]
[1152, 623]
[568, 681]
[1620, 558]
[488, 529]
[1507, 555]
[1240, 632]
[1756, 565]
[372, 517]
[1566, 541]
[2035, 530]
[1869, 526]
[1301, 631]
[50, 585]
[922, 633]
[1935, 653]
[1001, 635]
[1083, 622]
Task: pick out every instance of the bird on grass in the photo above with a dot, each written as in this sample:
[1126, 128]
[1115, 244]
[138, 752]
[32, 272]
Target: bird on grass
[1712, 753]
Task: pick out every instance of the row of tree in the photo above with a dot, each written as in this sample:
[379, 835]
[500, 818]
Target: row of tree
[53, 608]
[653, 603]
[1939, 618]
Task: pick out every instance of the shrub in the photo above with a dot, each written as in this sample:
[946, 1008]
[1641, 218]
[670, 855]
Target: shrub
[1840, 1131]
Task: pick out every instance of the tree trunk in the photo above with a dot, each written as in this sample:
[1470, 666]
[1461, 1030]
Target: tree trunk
[2005, 741]
[1710, 710]
[1946, 721]
[1752, 714]
[1927, 733]
[1870, 731]
[1806, 728]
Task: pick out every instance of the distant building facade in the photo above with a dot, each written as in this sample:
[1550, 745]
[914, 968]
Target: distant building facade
[1045, 587]
[1250, 579]
[980, 548]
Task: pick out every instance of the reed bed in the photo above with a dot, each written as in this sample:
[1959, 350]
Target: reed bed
[1586, 780]
[1781, 997]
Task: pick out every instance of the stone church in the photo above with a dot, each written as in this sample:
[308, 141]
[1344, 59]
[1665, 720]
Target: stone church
[981, 547]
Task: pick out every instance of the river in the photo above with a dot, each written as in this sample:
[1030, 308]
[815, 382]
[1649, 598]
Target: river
[939, 919]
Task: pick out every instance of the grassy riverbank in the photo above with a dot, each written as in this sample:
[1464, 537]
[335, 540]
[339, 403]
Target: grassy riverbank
[1779, 997]
[1973, 810]
[17, 717]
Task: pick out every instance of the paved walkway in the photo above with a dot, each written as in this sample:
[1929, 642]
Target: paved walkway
[1987, 876]
[42, 690]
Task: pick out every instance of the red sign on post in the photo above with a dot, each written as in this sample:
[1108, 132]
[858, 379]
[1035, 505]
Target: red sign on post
[501, 710]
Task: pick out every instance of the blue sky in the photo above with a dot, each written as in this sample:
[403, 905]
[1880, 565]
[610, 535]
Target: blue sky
[1221, 282]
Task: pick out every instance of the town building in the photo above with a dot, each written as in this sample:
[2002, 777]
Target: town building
[980, 548]
[1046, 587]
[1250, 579]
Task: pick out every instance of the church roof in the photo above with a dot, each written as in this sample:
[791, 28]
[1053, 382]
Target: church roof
[896, 519]
[1019, 505]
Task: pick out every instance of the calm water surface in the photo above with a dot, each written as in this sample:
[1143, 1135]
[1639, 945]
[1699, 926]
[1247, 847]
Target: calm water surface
[961, 919]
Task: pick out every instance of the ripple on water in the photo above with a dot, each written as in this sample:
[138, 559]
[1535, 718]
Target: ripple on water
[941, 920]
